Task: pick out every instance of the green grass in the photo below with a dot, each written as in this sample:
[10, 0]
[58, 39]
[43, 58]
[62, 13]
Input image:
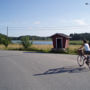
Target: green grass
[75, 42]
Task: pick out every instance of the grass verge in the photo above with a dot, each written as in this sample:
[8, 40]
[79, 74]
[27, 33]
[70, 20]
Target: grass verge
[41, 48]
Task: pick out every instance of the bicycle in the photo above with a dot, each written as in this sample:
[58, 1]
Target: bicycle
[82, 59]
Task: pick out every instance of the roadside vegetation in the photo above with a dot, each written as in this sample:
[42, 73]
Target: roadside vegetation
[26, 42]
[39, 48]
[4, 40]
[27, 45]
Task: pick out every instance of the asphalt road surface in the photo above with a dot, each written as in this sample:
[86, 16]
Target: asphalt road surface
[39, 71]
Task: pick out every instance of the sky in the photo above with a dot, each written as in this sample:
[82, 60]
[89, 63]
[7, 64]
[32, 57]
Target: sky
[44, 17]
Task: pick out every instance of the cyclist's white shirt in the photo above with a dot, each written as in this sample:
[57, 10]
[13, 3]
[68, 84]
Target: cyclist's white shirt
[86, 46]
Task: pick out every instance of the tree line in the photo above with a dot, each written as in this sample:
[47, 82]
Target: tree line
[80, 36]
[74, 36]
[31, 38]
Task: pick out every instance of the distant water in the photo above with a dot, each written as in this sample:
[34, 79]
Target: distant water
[35, 42]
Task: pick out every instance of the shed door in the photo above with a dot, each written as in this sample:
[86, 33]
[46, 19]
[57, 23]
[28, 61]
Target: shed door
[59, 43]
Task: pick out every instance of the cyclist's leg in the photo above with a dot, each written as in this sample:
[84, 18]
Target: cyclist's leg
[83, 54]
[88, 54]
[88, 58]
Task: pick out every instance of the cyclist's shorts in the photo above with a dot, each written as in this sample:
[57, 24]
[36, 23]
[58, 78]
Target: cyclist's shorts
[87, 52]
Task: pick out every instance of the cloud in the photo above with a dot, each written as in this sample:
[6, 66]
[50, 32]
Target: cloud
[37, 22]
[80, 22]
[30, 28]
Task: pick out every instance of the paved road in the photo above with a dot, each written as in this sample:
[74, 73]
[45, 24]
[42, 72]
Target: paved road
[39, 71]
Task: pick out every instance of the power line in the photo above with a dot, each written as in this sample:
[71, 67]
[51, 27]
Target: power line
[46, 28]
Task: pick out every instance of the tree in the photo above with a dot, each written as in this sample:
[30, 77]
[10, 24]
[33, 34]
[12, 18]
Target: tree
[26, 42]
[4, 40]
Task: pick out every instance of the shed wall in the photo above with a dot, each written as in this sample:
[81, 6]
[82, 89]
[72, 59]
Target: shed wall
[65, 41]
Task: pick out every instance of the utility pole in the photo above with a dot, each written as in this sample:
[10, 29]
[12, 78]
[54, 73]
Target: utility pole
[7, 34]
[7, 31]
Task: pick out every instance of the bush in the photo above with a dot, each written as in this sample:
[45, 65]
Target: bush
[26, 42]
[4, 40]
[71, 51]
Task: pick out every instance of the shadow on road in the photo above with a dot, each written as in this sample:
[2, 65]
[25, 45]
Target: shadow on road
[68, 69]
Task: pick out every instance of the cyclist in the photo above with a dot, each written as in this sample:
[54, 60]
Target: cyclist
[84, 49]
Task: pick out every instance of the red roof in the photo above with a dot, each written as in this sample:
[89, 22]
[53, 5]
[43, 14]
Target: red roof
[60, 34]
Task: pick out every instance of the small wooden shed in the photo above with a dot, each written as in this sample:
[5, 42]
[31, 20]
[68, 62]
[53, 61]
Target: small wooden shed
[60, 41]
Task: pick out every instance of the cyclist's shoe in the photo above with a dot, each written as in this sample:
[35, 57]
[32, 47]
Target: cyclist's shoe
[80, 65]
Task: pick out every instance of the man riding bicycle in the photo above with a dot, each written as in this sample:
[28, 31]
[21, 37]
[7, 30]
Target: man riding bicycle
[84, 49]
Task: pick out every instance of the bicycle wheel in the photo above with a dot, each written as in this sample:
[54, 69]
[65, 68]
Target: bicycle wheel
[80, 60]
[88, 64]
